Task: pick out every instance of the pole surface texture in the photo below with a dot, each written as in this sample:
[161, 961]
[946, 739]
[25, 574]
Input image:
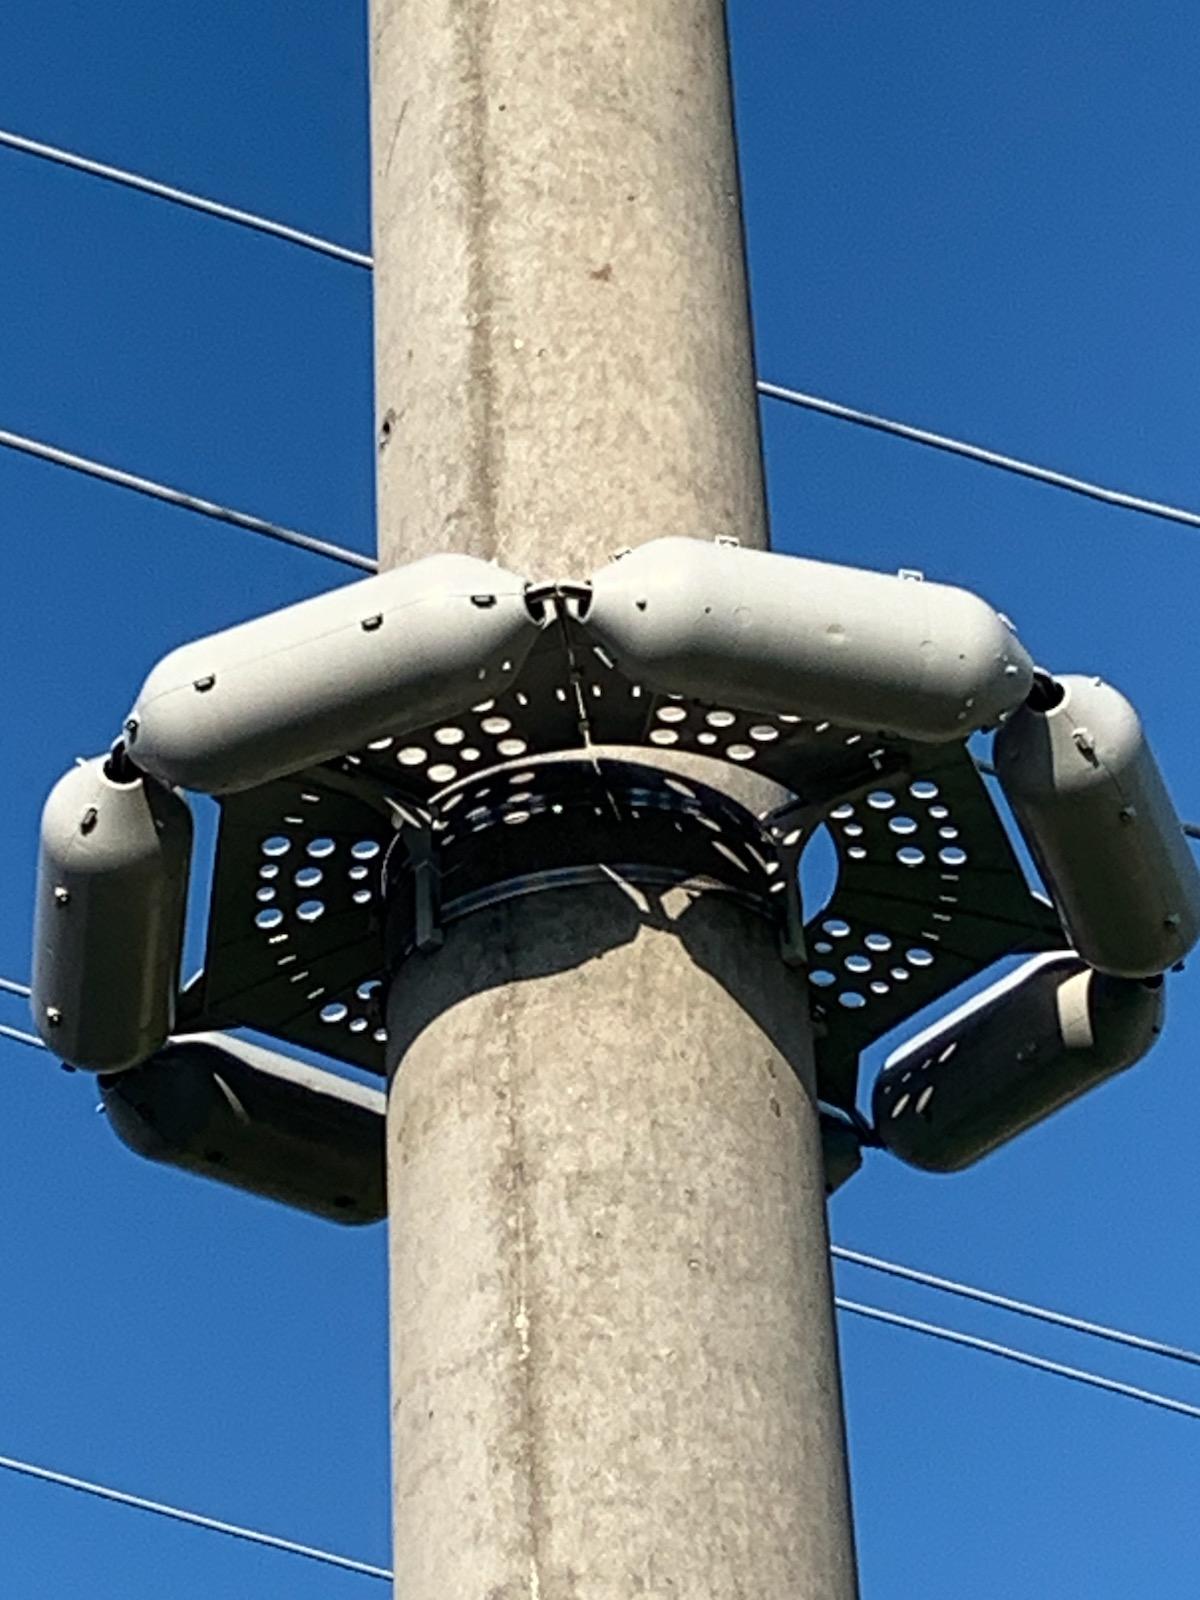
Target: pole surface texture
[614, 1371]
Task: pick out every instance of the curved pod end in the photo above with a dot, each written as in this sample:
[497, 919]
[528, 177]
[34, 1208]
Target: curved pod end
[1009, 1058]
[1094, 809]
[108, 929]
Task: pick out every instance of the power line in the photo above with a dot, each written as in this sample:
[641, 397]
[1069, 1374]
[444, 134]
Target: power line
[988, 458]
[773, 391]
[185, 501]
[182, 197]
[1023, 1308]
[11, 986]
[102, 1491]
[1022, 1357]
[20, 1036]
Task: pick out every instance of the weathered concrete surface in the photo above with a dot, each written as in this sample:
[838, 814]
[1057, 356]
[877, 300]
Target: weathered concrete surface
[563, 360]
[614, 1370]
[613, 1363]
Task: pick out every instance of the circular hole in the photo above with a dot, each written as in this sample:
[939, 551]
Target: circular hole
[517, 779]
[482, 707]
[381, 744]
[792, 837]
[857, 852]
[277, 845]
[513, 819]
[952, 856]
[271, 918]
[308, 877]
[909, 856]
[365, 849]
[740, 752]
[368, 987]
[763, 732]
[495, 726]
[361, 897]
[821, 978]
[879, 987]
[840, 813]
[852, 1000]
[923, 1099]
[720, 719]
[359, 1025]
[271, 870]
[918, 956]
[706, 738]
[449, 736]
[901, 974]
[857, 963]
[878, 942]
[663, 736]
[836, 928]
[671, 714]
[904, 826]
[265, 894]
[468, 753]
[947, 833]
[319, 849]
[357, 874]
[939, 813]
[335, 1011]
[512, 747]
[442, 772]
[411, 755]
[923, 789]
[310, 910]
[380, 1036]
[823, 947]
[881, 800]
[853, 830]
[948, 1051]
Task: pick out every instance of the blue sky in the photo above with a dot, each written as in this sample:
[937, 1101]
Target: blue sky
[981, 219]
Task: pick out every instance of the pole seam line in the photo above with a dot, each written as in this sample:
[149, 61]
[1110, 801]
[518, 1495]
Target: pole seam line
[183, 197]
[1077, 1374]
[176, 1514]
[1022, 1308]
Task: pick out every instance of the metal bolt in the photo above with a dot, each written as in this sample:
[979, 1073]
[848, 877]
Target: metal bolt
[131, 729]
[61, 896]
[53, 1016]
[483, 601]
[88, 821]
[369, 624]
[203, 685]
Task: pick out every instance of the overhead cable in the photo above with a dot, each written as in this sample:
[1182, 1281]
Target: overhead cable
[988, 458]
[1022, 1357]
[182, 197]
[19, 1036]
[1023, 1308]
[186, 502]
[102, 1491]
[11, 986]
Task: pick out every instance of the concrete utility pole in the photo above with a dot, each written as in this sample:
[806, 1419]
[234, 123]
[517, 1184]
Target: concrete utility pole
[613, 1357]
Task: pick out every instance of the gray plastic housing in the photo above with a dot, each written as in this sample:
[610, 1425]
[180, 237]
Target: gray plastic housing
[1008, 1058]
[783, 634]
[1096, 815]
[231, 1111]
[314, 680]
[109, 918]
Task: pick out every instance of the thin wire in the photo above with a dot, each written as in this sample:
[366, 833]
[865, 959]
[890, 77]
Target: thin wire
[211, 1524]
[11, 986]
[1023, 1308]
[187, 502]
[20, 1036]
[1077, 1374]
[182, 197]
[1191, 829]
[975, 452]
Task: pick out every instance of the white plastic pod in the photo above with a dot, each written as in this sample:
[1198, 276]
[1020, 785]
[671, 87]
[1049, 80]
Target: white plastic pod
[411, 646]
[1097, 818]
[214, 1105]
[1008, 1058]
[108, 927]
[783, 634]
